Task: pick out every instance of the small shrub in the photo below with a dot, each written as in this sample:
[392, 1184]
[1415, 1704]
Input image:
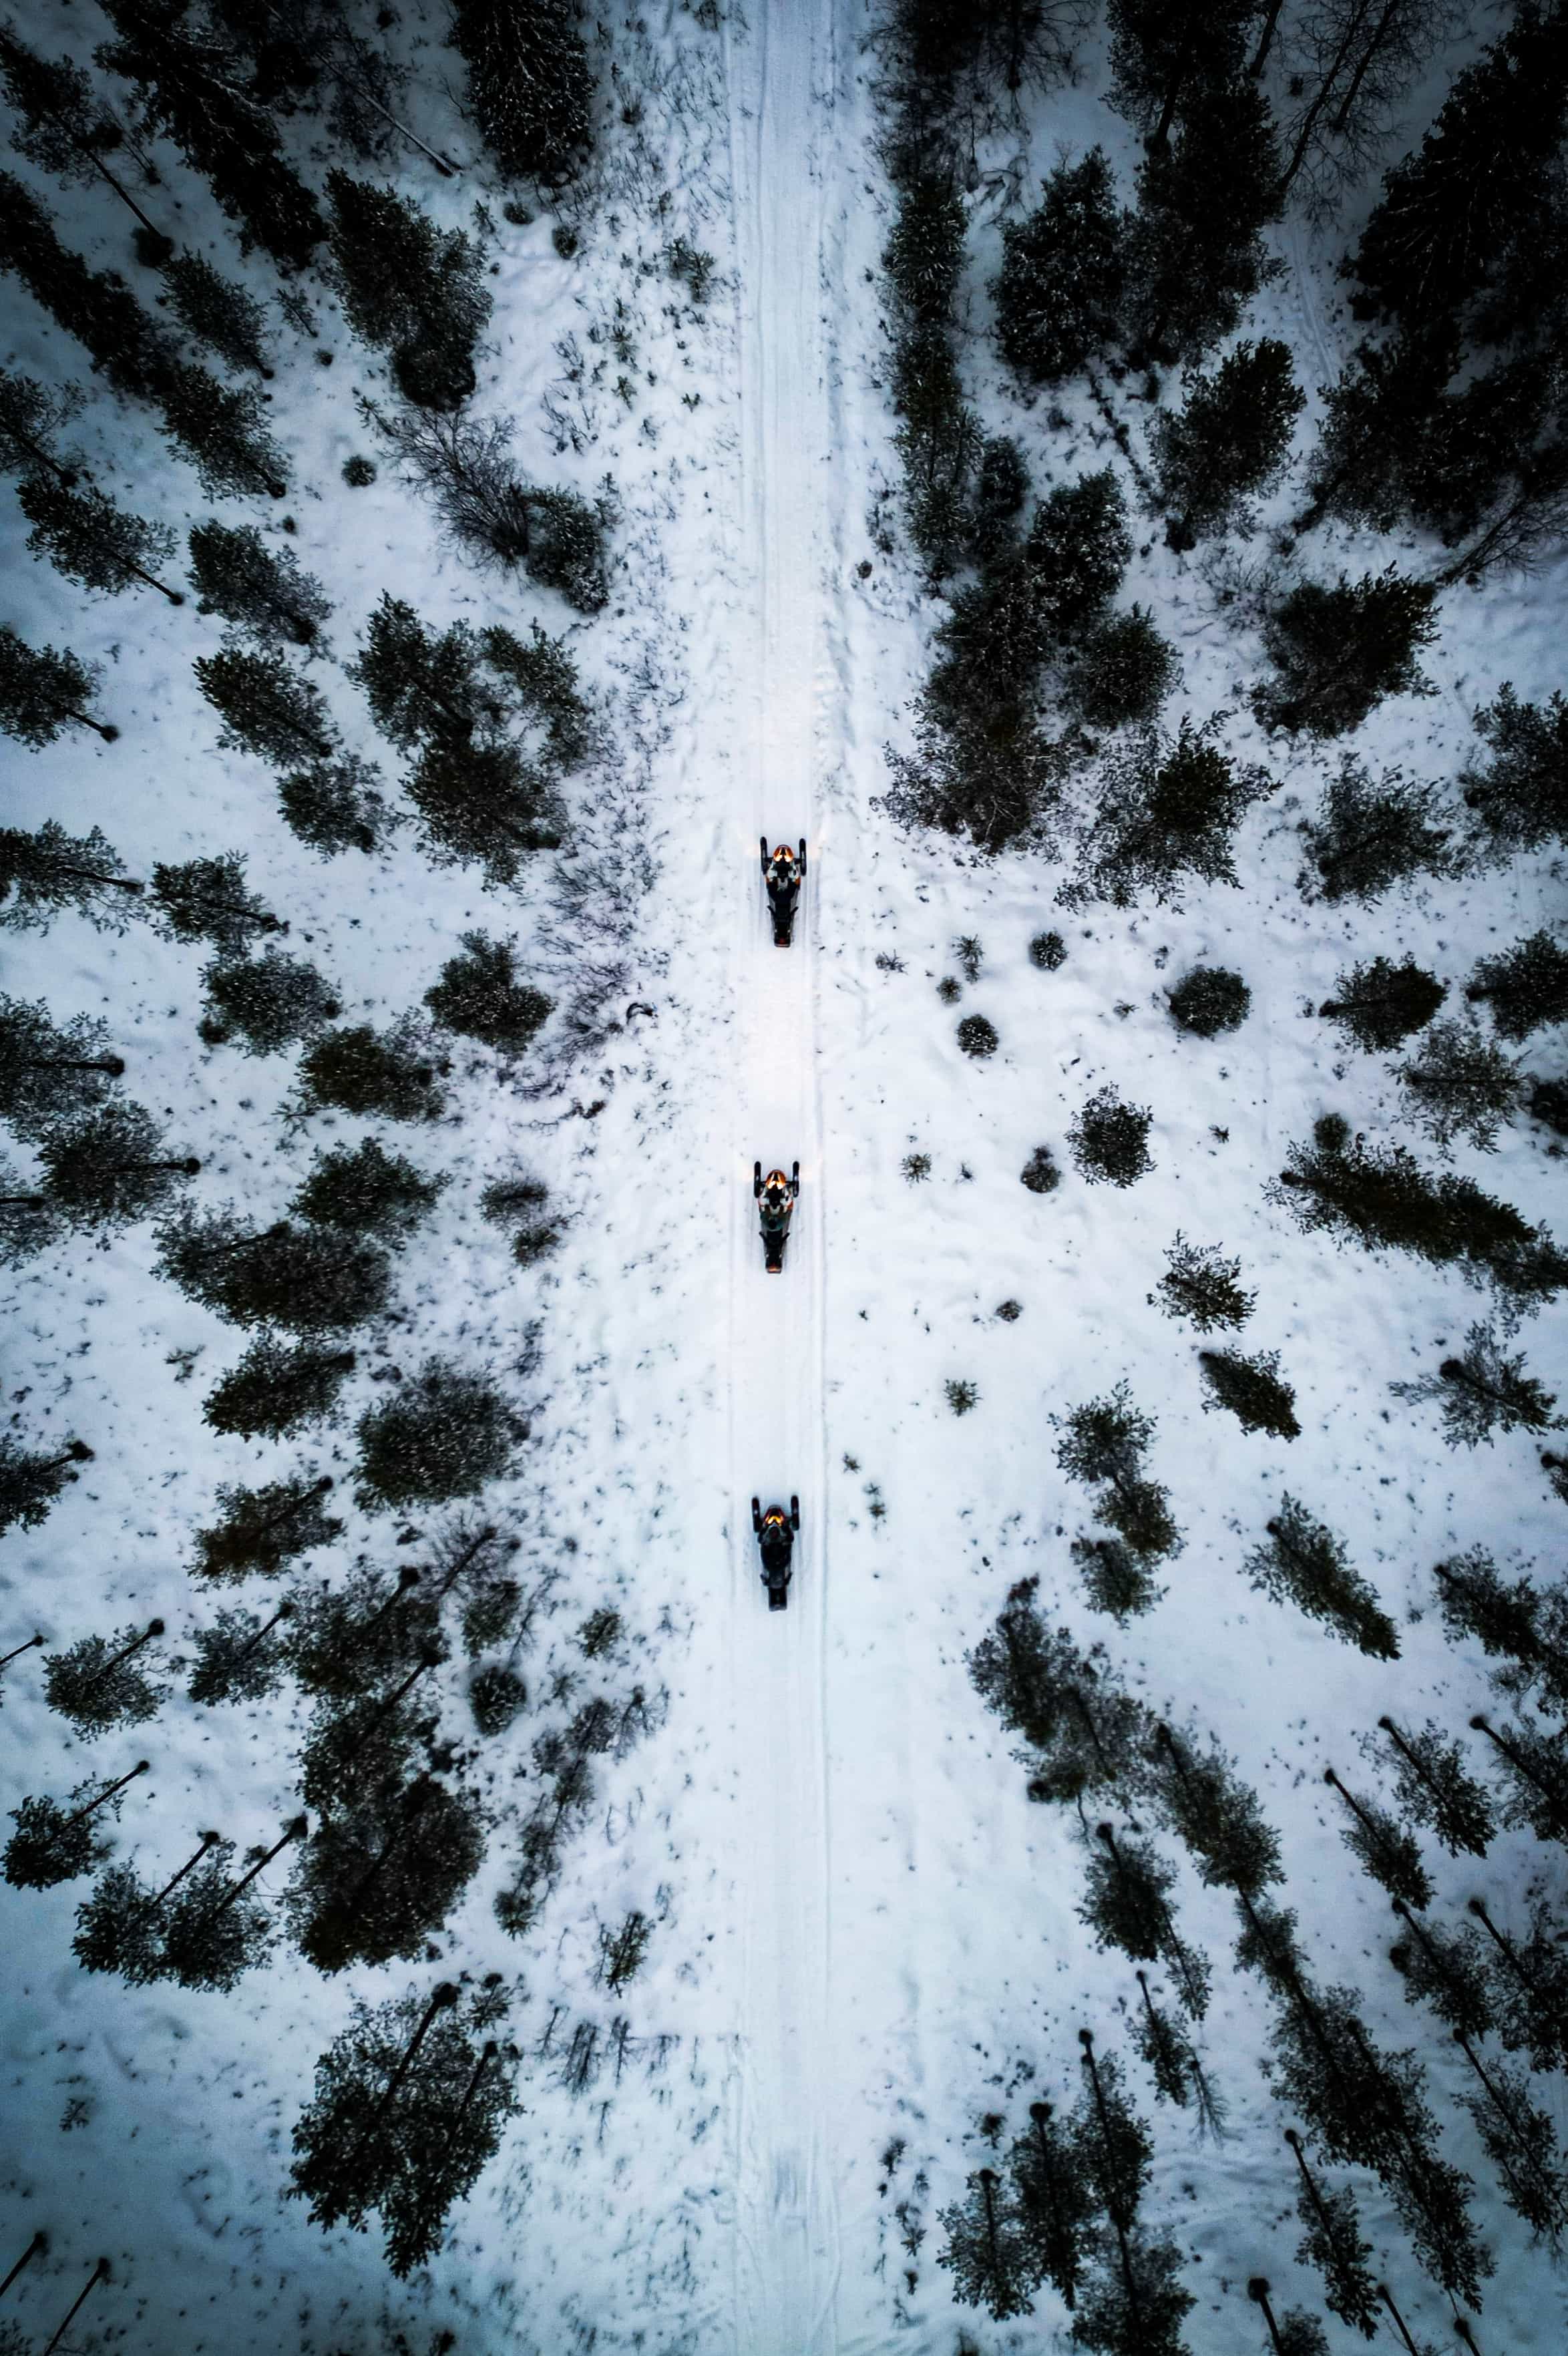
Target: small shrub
[443, 1435]
[961, 1396]
[358, 473]
[1040, 1173]
[977, 1038]
[1210, 1001]
[1110, 1140]
[949, 989]
[1204, 1286]
[1049, 952]
[1124, 671]
[599, 1631]
[496, 1696]
[1009, 1311]
[917, 1168]
[970, 956]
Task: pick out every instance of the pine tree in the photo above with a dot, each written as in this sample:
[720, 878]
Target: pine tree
[234, 1661]
[1128, 1904]
[1521, 2143]
[1293, 2333]
[28, 1221]
[304, 55]
[31, 414]
[517, 1205]
[99, 1681]
[1364, 55]
[1084, 1733]
[1059, 288]
[1338, 650]
[192, 88]
[334, 806]
[215, 1932]
[529, 85]
[443, 1435]
[1202, 1285]
[1521, 792]
[1104, 1443]
[1333, 2243]
[218, 313]
[31, 1481]
[1305, 1564]
[1172, 2056]
[1229, 442]
[128, 347]
[483, 801]
[1484, 1389]
[406, 2116]
[1448, 1973]
[376, 1880]
[1214, 1812]
[208, 900]
[1380, 413]
[1379, 1005]
[42, 688]
[1130, 2304]
[275, 1390]
[1251, 1389]
[261, 1530]
[1208, 1001]
[1435, 1787]
[987, 2251]
[266, 708]
[120, 1927]
[304, 1278]
[408, 286]
[357, 1069]
[1168, 810]
[222, 430]
[1376, 833]
[1461, 1086]
[939, 441]
[1526, 987]
[1530, 1986]
[1390, 1853]
[40, 873]
[264, 1003]
[49, 1070]
[924, 255]
[368, 1192]
[1164, 61]
[350, 1641]
[1122, 671]
[107, 1168]
[63, 128]
[262, 589]
[1535, 1777]
[51, 1844]
[1515, 1623]
[480, 995]
[1109, 1140]
[357, 1748]
[1050, 2202]
[1196, 254]
[89, 540]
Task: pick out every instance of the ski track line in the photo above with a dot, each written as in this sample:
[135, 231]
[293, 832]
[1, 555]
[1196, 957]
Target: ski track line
[786, 2273]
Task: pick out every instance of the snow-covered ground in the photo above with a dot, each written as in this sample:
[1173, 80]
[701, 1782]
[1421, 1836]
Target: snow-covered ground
[864, 1934]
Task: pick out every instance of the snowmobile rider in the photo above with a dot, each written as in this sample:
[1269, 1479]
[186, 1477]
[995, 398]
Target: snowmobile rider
[774, 1199]
[783, 872]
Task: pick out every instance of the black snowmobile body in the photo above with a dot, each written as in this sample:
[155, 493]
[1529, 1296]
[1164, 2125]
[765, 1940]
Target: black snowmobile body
[775, 1198]
[775, 1532]
[783, 876]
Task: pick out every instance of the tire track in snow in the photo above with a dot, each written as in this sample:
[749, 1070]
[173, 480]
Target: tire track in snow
[785, 2223]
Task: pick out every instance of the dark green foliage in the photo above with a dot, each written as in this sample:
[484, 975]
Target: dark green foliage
[1333, 2243]
[1049, 952]
[89, 540]
[565, 548]
[42, 689]
[61, 125]
[1305, 1564]
[102, 1681]
[31, 414]
[307, 1280]
[407, 2111]
[213, 1930]
[1109, 1140]
[193, 89]
[1367, 836]
[1521, 2143]
[261, 1530]
[1484, 1390]
[117, 1928]
[1529, 1985]
[107, 1168]
[1083, 1733]
[1122, 671]
[49, 1070]
[442, 1435]
[30, 1480]
[275, 1390]
[263, 589]
[365, 1635]
[480, 995]
[1386, 1200]
[497, 1695]
[333, 806]
[1549, 1105]
[1436, 1788]
[517, 1205]
[1172, 2056]
[207, 899]
[1167, 813]
[690, 268]
[1054, 2203]
[1208, 1001]
[529, 84]
[1379, 1005]
[408, 287]
[358, 473]
[266, 708]
[1379, 412]
[357, 1748]
[1195, 252]
[129, 347]
[368, 1192]
[1103, 1444]
[1229, 442]
[51, 1844]
[221, 431]
[1518, 1625]
[218, 311]
[1521, 793]
[1449, 1973]
[1001, 486]
[990, 779]
[1206, 1803]
[1526, 987]
[235, 1659]
[1390, 1853]
[1059, 288]
[540, 689]
[1251, 1389]
[1164, 59]
[924, 255]
[1293, 2332]
[1338, 651]
[987, 2251]
[1535, 1777]
[378, 1877]
[357, 1069]
[1202, 1285]
[1040, 1173]
[264, 1003]
[1127, 1904]
[1117, 1580]
[1132, 2303]
[939, 441]
[978, 1037]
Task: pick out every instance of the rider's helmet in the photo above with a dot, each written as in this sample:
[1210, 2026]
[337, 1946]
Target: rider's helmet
[783, 856]
[775, 1516]
[776, 1184]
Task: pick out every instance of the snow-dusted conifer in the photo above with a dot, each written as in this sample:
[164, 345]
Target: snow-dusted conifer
[52, 1844]
[377, 1878]
[235, 1659]
[367, 1190]
[50, 1070]
[1535, 1776]
[1380, 1004]
[265, 590]
[359, 1638]
[334, 805]
[444, 1434]
[1059, 288]
[218, 311]
[1251, 1389]
[42, 689]
[89, 540]
[481, 995]
[1521, 2143]
[214, 1931]
[1201, 1285]
[1167, 812]
[275, 1389]
[1128, 1904]
[1484, 1390]
[1526, 987]
[529, 84]
[31, 1479]
[1446, 1971]
[1520, 794]
[1303, 1563]
[1209, 1000]
[1529, 1985]
[1391, 1853]
[266, 708]
[1084, 1733]
[264, 1003]
[1436, 1788]
[31, 414]
[1339, 649]
[1369, 834]
[1109, 1140]
[61, 124]
[50, 870]
[987, 2251]
[1206, 1802]
[1333, 2243]
[209, 900]
[107, 1167]
[100, 1681]
[1228, 440]
[1461, 1085]
[261, 1530]
[1292, 2333]
[304, 1279]
[1195, 249]
[408, 286]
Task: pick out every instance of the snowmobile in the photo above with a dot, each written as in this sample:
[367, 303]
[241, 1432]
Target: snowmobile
[775, 1532]
[775, 1197]
[783, 872]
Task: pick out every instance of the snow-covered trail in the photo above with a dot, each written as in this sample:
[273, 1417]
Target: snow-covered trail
[787, 2240]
